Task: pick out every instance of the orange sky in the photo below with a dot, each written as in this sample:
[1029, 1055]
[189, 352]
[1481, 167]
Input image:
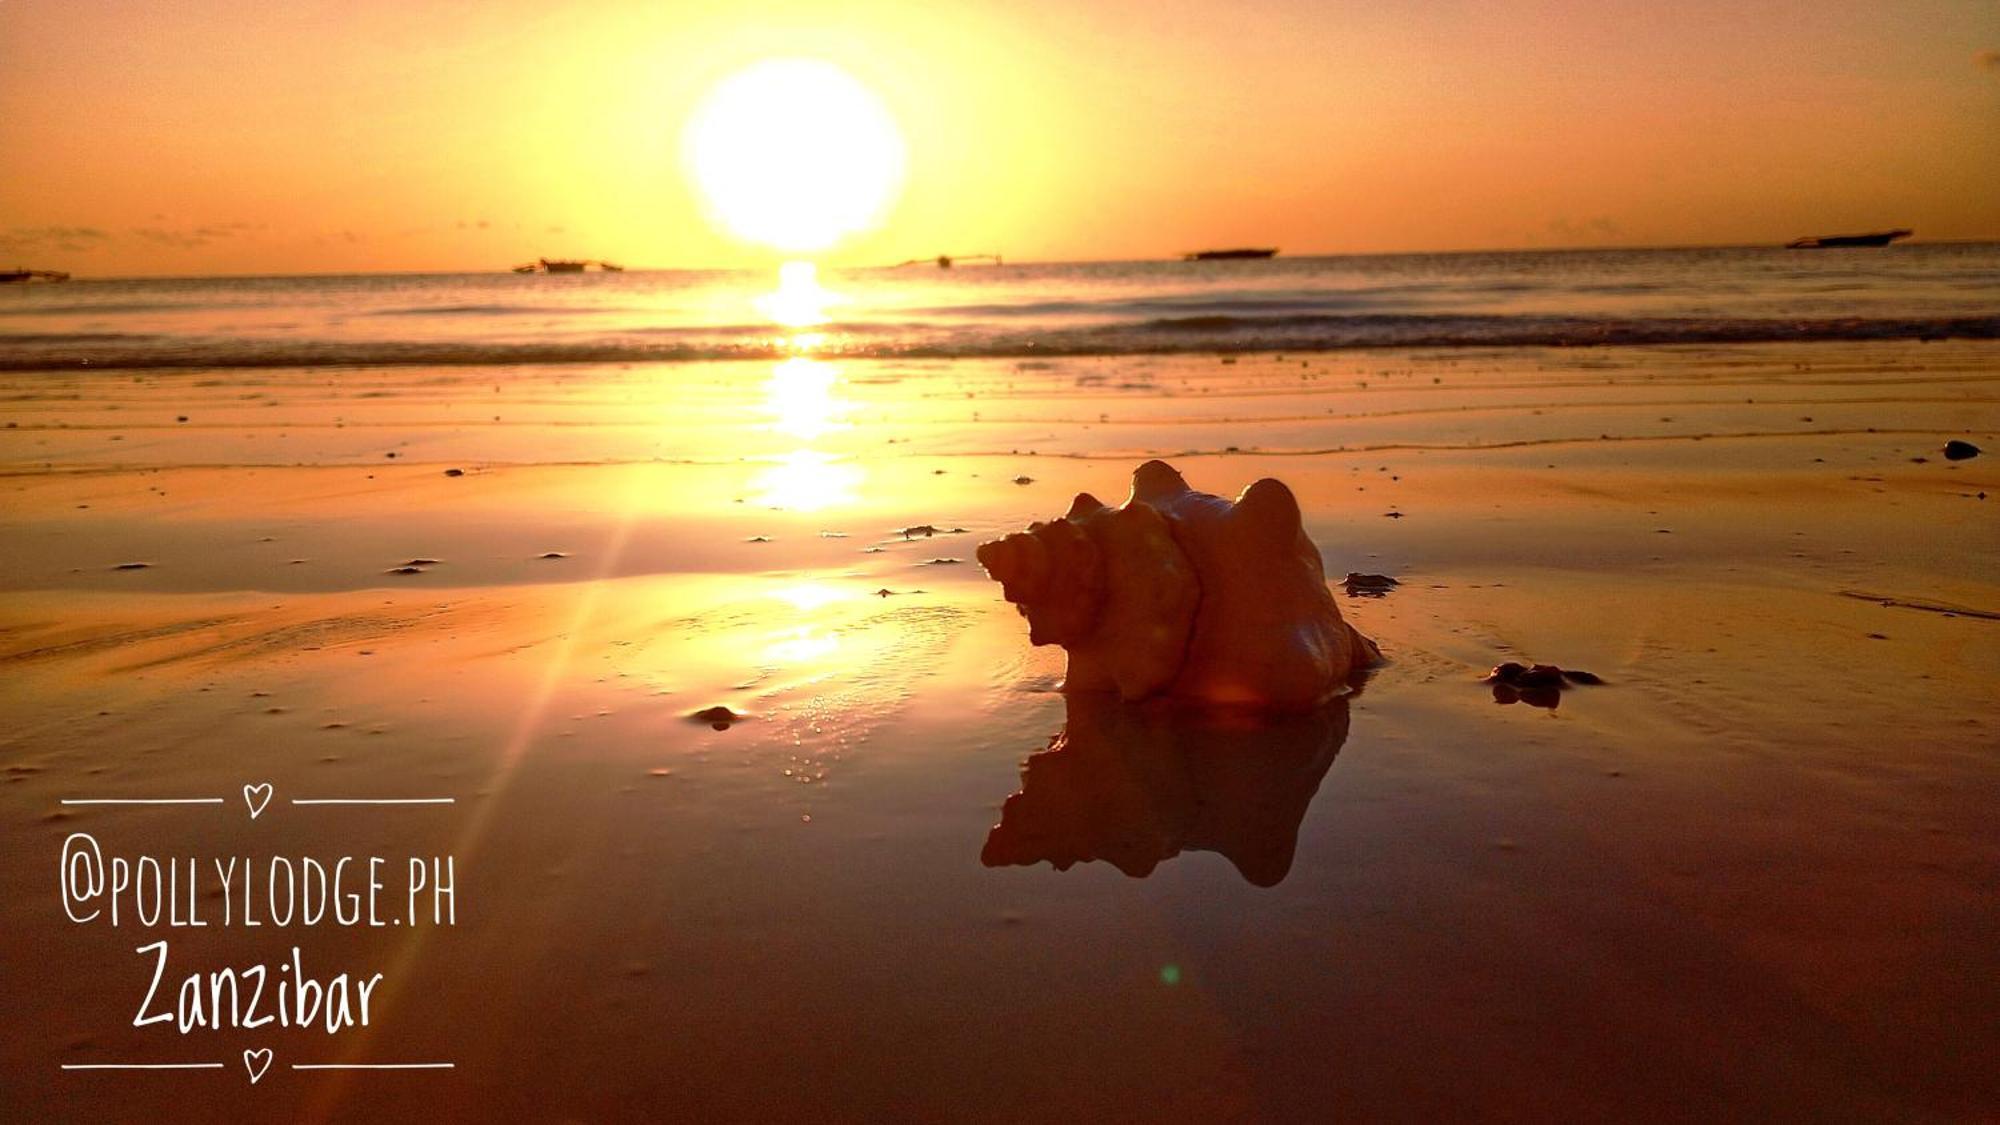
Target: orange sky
[220, 136]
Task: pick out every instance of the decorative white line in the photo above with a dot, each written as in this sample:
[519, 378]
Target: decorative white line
[143, 801]
[375, 801]
[373, 1066]
[142, 1066]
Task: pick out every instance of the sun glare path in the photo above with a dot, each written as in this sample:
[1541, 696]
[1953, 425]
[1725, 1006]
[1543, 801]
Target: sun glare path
[800, 301]
[800, 396]
[807, 481]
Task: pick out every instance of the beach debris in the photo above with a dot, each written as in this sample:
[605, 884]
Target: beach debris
[133, 566]
[941, 562]
[758, 539]
[1948, 609]
[554, 555]
[1537, 685]
[404, 570]
[718, 716]
[1956, 450]
[1184, 594]
[1024, 480]
[454, 472]
[927, 530]
[1369, 585]
[421, 562]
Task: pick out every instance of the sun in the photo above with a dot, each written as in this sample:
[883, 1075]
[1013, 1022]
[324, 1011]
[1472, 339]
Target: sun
[794, 154]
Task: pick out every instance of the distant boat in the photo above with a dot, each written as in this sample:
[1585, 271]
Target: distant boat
[946, 261]
[1237, 254]
[32, 275]
[566, 265]
[1836, 241]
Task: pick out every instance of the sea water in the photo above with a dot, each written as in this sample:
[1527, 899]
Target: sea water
[1488, 299]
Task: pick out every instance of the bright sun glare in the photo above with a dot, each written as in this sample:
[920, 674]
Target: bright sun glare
[795, 154]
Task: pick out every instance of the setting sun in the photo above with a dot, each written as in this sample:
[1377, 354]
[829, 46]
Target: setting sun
[794, 154]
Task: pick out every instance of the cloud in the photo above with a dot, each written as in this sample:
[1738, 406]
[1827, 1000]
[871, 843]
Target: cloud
[69, 240]
[1987, 60]
[188, 238]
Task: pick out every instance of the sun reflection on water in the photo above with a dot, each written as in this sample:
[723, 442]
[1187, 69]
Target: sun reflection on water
[800, 393]
[808, 596]
[807, 481]
[803, 402]
[800, 301]
[802, 645]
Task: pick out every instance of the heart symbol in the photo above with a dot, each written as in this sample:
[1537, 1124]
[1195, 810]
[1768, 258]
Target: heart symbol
[257, 1062]
[257, 796]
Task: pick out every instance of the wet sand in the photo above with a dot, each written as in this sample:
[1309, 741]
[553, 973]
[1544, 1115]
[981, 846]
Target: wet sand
[1749, 876]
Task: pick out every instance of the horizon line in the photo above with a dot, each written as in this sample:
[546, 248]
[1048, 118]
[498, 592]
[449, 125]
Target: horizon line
[909, 263]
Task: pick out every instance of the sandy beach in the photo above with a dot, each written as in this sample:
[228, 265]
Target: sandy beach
[1749, 876]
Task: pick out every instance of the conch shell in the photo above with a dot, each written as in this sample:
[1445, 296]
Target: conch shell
[1180, 593]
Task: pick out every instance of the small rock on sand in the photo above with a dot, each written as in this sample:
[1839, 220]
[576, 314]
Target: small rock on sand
[1538, 685]
[133, 566]
[554, 555]
[1369, 585]
[1955, 450]
[454, 472]
[718, 716]
[1024, 480]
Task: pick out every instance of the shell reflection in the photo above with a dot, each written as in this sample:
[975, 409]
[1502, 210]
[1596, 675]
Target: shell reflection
[1134, 786]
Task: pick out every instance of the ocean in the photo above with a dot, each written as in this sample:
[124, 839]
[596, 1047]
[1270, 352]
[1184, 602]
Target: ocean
[1484, 299]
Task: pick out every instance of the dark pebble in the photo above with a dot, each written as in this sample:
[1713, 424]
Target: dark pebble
[718, 716]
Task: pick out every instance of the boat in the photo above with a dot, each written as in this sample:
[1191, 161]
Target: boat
[946, 261]
[1837, 241]
[19, 274]
[566, 265]
[1233, 255]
